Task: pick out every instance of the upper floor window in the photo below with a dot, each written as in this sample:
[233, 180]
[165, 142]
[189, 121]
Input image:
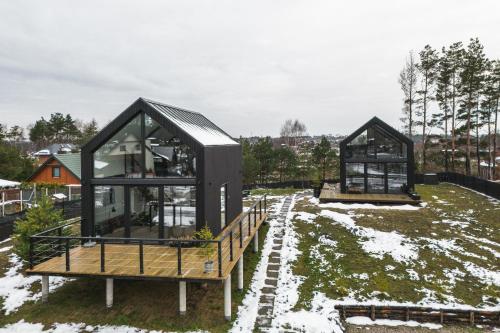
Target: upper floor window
[56, 172]
[375, 143]
[164, 155]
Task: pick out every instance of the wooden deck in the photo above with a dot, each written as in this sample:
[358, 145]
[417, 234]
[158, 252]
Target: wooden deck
[331, 193]
[159, 261]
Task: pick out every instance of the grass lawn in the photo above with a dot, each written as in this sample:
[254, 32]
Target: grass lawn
[444, 253]
[149, 305]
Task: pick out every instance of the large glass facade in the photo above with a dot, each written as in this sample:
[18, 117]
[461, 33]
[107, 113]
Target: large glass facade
[121, 155]
[143, 209]
[166, 155]
[355, 177]
[109, 211]
[376, 162]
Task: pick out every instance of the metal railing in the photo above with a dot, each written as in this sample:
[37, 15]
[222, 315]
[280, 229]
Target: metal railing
[58, 242]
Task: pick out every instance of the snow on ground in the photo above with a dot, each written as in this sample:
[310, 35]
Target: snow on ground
[349, 206]
[24, 327]
[322, 316]
[15, 288]
[377, 243]
[247, 312]
[388, 322]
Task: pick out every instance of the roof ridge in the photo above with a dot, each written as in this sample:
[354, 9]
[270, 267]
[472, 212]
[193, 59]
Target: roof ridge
[171, 106]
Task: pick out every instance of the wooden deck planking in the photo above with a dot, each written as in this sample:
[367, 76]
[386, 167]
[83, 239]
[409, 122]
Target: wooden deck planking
[330, 193]
[159, 261]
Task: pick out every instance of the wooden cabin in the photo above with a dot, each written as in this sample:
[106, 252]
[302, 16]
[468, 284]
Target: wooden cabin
[63, 169]
[150, 179]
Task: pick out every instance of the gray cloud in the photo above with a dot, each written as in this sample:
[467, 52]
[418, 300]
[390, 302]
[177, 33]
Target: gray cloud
[246, 65]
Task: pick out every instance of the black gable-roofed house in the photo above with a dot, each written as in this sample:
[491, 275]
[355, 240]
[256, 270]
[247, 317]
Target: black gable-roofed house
[155, 155]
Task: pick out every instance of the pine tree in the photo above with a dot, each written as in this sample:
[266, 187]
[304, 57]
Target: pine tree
[408, 83]
[472, 77]
[489, 105]
[427, 69]
[323, 156]
[443, 94]
[454, 54]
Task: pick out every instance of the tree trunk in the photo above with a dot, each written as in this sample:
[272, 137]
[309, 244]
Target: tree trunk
[468, 145]
[495, 142]
[446, 158]
[478, 156]
[424, 123]
[489, 144]
[453, 127]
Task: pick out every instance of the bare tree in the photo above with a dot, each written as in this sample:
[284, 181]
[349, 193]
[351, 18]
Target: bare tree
[408, 81]
[291, 130]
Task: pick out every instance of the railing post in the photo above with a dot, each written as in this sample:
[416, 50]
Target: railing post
[173, 215]
[141, 257]
[249, 227]
[255, 214]
[179, 259]
[102, 256]
[67, 255]
[219, 257]
[59, 245]
[31, 252]
[265, 203]
[241, 233]
[231, 245]
[260, 209]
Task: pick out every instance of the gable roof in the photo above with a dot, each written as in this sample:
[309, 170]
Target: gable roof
[72, 162]
[386, 127]
[194, 124]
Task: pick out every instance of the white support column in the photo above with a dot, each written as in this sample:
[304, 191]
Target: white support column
[21, 198]
[256, 241]
[182, 297]
[45, 288]
[69, 192]
[240, 273]
[227, 298]
[109, 293]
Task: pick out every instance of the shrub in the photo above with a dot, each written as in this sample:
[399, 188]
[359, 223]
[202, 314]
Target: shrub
[205, 234]
[38, 218]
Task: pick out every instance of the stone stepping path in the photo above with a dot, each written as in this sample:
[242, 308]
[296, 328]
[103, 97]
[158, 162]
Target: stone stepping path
[268, 292]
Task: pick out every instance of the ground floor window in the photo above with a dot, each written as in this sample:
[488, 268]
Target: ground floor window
[376, 177]
[136, 211]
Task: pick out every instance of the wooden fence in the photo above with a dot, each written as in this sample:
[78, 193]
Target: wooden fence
[421, 314]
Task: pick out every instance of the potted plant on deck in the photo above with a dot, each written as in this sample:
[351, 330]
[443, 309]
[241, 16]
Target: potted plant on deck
[205, 234]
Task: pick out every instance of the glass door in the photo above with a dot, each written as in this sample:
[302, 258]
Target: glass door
[223, 202]
[375, 178]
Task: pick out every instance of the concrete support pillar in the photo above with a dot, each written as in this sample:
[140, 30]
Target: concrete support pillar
[109, 293]
[256, 241]
[240, 273]
[227, 298]
[182, 297]
[45, 288]
[21, 199]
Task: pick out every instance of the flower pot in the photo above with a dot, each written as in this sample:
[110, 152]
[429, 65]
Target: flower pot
[209, 266]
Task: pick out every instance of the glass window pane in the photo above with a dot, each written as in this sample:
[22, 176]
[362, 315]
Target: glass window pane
[376, 178]
[143, 210]
[121, 155]
[109, 211]
[166, 155]
[397, 177]
[223, 198]
[179, 211]
[355, 177]
[357, 147]
[388, 146]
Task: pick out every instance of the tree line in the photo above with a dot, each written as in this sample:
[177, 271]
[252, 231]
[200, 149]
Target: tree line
[463, 85]
[287, 159]
[16, 164]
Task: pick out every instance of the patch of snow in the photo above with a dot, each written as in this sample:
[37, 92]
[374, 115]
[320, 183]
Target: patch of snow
[15, 288]
[485, 275]
[377, 243]
[5, 249]
[24, 327]
[363, 321]
[247, 312]
[305, 217]
[344, 206]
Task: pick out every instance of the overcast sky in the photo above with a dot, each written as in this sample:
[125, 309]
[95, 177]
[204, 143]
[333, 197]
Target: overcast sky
[247, 65]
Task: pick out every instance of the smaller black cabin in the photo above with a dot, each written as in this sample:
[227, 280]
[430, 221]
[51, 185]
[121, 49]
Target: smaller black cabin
[376, 158]
[158, 171]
